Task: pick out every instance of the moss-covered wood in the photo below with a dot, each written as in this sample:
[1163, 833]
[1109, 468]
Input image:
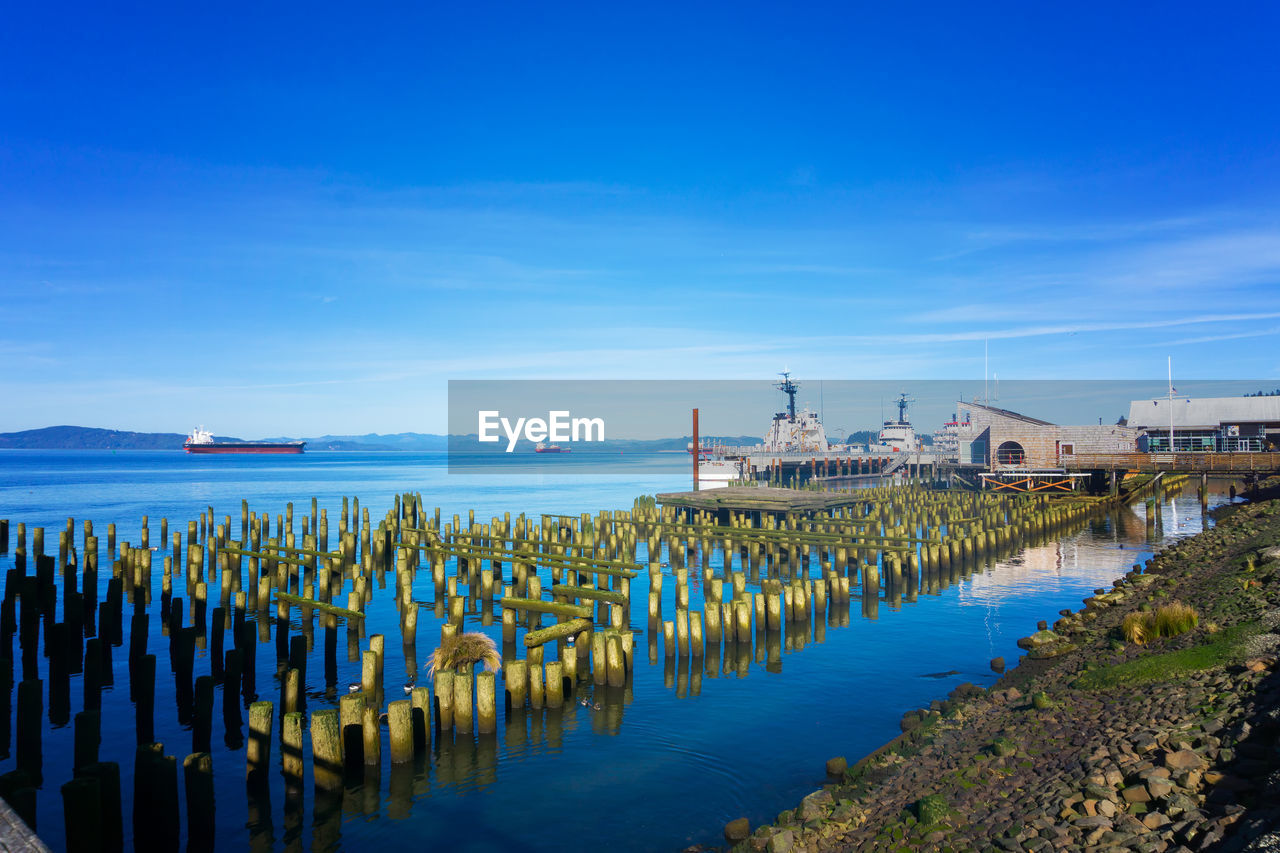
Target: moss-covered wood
[319, 605]
[556, 632]
[533, 605]
[587, 592]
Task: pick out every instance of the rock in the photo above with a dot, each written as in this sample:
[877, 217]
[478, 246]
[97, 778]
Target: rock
[781, 842]
[815, 805]
[1039, 639]
[1002, 747]
[737, 830]
[932, 809]
[1040, 700]
[1159, 787]
[1183, 759]
[1091, 822]
[1052, 651]
[997, 664]
[837, 766]
[1136, 794]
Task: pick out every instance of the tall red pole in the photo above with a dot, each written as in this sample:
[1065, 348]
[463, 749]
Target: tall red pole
[697, 450]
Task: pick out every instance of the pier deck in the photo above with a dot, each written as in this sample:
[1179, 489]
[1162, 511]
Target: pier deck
[1186, 463]
[759, 499]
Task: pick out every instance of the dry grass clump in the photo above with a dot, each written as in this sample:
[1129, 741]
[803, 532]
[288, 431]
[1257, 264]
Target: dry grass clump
[1169, 620]
[1134, 627]
[1175, 618]
[464, 650]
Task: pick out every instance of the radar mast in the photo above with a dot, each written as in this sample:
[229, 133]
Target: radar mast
[786, 386]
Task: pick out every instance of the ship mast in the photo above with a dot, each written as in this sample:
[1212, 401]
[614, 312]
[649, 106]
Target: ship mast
[902, 407]
[786, 386]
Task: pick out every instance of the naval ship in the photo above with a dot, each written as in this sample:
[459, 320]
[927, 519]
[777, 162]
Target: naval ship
[796, 437]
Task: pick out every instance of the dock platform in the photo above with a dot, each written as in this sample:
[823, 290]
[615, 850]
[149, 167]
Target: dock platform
[759, 499]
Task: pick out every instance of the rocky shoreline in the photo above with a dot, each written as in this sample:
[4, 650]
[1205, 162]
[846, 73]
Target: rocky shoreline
[1092, 742]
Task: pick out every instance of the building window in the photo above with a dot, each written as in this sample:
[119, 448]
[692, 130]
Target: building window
[1010, 453]
[1068, 449]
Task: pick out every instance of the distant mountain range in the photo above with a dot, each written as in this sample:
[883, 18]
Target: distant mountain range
[92, 438]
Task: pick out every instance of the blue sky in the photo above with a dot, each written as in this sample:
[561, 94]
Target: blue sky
[299, 219]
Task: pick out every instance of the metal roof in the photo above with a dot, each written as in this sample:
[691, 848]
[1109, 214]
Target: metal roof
[1004, 413]
[1205, 413]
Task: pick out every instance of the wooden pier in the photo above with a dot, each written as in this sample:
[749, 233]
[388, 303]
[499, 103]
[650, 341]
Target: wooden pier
[1181, 463]
[767, 499]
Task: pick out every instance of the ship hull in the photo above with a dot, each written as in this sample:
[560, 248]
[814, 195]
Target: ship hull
[245, 448]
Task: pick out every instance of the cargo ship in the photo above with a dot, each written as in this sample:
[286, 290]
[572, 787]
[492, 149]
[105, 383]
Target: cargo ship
[543, 447]
[201, 441]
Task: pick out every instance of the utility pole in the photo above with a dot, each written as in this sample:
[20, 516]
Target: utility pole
[697, 450]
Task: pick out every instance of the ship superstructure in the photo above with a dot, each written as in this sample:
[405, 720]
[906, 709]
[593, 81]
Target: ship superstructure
[899, 436]
[796, 440]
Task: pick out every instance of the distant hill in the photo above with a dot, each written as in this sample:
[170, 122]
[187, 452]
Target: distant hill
[90, 438]
[377, 441]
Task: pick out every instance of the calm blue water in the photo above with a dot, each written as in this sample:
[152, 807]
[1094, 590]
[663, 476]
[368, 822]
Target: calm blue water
[660, 766]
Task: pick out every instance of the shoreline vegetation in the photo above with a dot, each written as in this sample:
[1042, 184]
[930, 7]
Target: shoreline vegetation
[1146, 720]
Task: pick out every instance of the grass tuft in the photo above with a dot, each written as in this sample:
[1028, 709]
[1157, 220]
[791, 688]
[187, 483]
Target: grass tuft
[1134, 627]
[1168, 620]
[464, 650]
[1174, 619]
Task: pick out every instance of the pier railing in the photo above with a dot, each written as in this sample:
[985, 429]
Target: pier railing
[1208, 463]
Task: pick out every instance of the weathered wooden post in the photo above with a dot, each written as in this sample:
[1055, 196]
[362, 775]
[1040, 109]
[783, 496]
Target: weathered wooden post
[400, 723]
[351, 721]
[326, 750]
[197, 771]
[155, 798]
[291, 763]
[372, 736]
[82, 814]
[110, 838]
[88, 737]
[258, 750]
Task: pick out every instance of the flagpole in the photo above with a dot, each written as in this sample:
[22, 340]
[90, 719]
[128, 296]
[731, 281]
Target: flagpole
[1171, 404]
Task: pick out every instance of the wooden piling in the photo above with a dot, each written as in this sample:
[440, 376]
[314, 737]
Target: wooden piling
[372, 736]
[258, 750]
[291, 763]
[110, 837]
[444, 700]
[326, 750]
[400, 723]
[351, 723]
[197, 771]
[82, 815]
